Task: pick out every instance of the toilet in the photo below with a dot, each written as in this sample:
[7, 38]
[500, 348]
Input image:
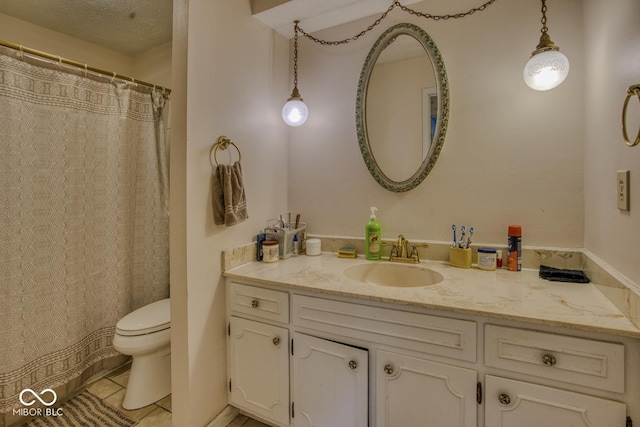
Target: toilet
[145, 334]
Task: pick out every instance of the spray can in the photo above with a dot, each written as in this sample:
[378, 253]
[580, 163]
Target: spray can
[514, 248]
[259, 240]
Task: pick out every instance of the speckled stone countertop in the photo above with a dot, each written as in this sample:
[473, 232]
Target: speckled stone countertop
[520, 296]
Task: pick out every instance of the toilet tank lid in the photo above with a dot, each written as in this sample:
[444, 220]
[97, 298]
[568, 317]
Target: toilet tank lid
[150, 316]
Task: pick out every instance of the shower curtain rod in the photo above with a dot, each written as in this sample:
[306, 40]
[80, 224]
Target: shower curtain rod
[80, 65]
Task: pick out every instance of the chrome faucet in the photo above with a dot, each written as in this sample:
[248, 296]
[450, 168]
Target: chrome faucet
[400, 251]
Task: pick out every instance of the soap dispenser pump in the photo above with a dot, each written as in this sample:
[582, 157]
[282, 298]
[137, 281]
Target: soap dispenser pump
[373, 238]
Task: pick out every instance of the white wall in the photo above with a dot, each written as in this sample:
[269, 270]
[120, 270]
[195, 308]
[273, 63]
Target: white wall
[154, 65]
[511, 155]
[612, 43]
[234, 71]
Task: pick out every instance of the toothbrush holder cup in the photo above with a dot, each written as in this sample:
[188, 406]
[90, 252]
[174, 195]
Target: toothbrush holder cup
[460, 257]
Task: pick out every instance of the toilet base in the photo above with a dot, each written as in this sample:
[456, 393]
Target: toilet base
[149, 379]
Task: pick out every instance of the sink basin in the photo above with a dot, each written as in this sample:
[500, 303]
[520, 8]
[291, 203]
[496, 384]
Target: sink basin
[396, 275]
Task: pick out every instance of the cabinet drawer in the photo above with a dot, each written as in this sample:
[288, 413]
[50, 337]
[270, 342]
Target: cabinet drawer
[264, 303]
[414, 331]
[574, 360]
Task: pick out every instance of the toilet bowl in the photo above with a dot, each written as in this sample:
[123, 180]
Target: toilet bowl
[145, 335]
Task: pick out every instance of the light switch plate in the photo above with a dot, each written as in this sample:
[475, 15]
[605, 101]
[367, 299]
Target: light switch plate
[622, 194]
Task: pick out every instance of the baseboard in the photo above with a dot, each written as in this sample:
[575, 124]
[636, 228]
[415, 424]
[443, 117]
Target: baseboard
[225, 417]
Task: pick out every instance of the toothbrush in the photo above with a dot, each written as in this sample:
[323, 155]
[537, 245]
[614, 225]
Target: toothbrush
[469, 238]
[463, 230]
[455, 241]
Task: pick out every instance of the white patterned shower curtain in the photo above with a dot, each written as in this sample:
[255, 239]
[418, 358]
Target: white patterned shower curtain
[84, 235]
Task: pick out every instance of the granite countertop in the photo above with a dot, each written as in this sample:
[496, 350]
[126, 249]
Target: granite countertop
[502, 294]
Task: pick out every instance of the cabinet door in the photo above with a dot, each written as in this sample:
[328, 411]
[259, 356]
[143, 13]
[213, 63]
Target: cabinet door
[414, 392]
[330, 383]
[259, 369]
[512, 403]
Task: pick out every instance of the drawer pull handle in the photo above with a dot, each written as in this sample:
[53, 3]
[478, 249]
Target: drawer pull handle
[276, 341]
[549, 360]
[504, 399]
[388, 369]
[255, 303]
[353, 365]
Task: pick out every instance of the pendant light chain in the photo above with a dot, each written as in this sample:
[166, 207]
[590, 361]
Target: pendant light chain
[395, 4]
[295, 54]
[544, 17]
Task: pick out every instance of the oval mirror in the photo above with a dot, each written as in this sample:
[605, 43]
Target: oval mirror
[402, 107]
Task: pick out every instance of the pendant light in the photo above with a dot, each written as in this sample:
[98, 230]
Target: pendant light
[295, 112]
[548, 67]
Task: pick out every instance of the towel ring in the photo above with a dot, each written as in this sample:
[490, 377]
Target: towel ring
[633, 90]
[223, 143]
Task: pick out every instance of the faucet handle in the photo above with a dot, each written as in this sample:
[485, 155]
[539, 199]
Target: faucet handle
[414, 250]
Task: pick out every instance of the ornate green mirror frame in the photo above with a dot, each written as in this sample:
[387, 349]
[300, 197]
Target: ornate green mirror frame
[434, 145]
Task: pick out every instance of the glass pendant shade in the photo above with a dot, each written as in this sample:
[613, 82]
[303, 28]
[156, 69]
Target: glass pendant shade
[294, 112]
[546, 70]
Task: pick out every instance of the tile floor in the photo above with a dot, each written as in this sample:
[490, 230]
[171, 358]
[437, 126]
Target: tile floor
[243, 421]
[111, 389]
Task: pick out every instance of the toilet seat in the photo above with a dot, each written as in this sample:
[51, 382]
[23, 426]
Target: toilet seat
[151, 318]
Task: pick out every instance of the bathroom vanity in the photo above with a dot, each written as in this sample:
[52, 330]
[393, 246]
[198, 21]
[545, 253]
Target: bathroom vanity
[311, 346]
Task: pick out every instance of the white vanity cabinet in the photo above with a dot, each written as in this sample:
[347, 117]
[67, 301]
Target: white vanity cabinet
[413, 392]
[410, 390]
[259, 352]
[580, 361]
[511, 403]
[259, 369]
[326, 380]
[304, 358]
[330, 383]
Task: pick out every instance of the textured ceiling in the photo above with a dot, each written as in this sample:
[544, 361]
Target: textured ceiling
[128, 26]
[316, 15]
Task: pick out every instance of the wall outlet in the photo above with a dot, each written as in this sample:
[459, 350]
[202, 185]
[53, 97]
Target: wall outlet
[622, 194]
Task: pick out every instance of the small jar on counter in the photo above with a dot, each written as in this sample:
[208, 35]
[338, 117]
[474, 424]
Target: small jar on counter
[270, 251]
[486, 259]
[313, 247]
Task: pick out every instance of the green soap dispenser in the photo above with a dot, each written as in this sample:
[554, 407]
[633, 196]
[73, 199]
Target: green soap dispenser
[373, 238]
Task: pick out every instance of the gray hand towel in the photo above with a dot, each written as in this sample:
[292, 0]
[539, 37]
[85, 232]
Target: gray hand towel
[229, 202]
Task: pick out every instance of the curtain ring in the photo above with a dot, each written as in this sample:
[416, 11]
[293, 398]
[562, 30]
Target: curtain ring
[21, 53]
[632, 90]
[113, 78]
[86, 70]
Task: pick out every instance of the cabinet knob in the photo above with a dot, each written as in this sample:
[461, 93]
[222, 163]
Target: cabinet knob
[388, 369]
[549, 360]
[504, 399]
[353, 364]
[276, 340]
[255, 303]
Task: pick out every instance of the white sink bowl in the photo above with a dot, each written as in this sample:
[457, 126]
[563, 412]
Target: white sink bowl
[396, 275]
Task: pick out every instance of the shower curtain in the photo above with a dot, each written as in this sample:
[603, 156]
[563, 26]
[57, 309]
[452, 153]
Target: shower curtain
[84, 235]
